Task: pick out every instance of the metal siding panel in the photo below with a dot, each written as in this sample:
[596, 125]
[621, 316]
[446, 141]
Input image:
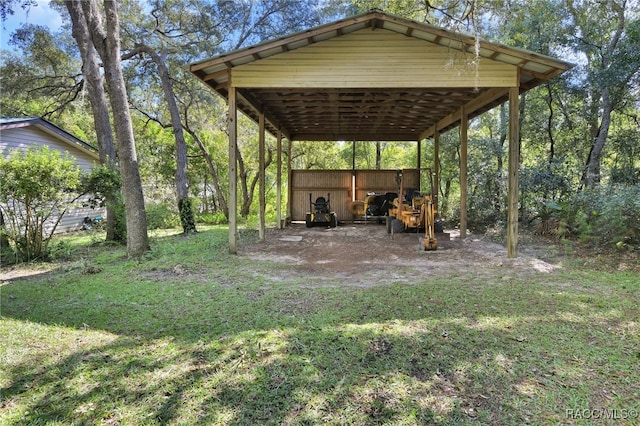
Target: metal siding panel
[390, 60]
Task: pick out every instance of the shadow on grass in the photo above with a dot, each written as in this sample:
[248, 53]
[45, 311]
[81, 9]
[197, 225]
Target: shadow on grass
[229, 350]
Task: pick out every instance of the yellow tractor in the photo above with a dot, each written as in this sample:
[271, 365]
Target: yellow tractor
[415, 210]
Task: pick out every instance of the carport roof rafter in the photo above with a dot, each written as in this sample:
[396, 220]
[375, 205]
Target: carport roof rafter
[411, 79]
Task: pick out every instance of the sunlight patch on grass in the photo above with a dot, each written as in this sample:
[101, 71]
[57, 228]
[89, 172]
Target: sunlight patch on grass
[495, 323]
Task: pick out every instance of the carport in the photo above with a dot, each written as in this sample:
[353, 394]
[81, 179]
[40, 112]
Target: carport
[373, 77]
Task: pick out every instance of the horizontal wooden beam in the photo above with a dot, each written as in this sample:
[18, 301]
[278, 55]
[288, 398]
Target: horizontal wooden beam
[470, 107]
[350, 136]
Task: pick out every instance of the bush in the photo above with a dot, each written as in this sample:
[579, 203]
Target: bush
[603, 216]
[104, 185]
[217, 218]
[38, 186]
[161, 216]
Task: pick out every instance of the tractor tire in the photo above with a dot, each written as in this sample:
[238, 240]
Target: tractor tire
[308, 221]
[334, 221]
[388, 219]
[438, 227]
[397, 226]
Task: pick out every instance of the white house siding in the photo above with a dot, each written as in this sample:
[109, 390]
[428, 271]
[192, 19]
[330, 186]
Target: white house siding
[21, 138]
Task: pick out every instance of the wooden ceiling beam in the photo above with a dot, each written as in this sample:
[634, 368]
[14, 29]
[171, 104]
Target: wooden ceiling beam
[216, 75]
[474, 105]
[257, 107]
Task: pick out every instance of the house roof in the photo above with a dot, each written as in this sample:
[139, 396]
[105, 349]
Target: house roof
[7, 123]
[379, 108]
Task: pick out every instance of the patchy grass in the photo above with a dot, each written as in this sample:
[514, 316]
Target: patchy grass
[193, 335]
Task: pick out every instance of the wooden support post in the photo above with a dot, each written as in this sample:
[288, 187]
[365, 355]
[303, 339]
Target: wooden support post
[464, 125]
[289, 178]
[279, 179]
[419, 163]
[261, 177]
[353, 155]
[436, 169]
[232, 127]
[514, 162]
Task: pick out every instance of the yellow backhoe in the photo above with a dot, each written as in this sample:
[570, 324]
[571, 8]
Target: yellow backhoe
[414, 210]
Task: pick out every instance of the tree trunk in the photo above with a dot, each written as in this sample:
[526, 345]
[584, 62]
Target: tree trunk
[592, 176]
[244, 185]
[182, 188]
[107, 43]
[550, 117]
[600, 133]
[248, 188]
[99, 108]
[222, 200]
[499, 178]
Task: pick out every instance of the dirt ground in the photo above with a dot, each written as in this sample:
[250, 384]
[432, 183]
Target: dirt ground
[365, 255]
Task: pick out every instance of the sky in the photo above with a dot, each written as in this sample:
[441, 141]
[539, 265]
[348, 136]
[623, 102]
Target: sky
[41, 14]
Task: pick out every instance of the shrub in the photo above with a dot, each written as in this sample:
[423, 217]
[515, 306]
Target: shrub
[602, 216]
[104, 183]
[161, 216]
[217, 218]
[38, 186]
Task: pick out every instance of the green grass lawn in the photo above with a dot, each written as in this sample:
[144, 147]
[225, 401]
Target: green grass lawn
[193, 335]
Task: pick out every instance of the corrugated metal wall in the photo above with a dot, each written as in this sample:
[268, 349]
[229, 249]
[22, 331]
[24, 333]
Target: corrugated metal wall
[390, 60]
[339, 183]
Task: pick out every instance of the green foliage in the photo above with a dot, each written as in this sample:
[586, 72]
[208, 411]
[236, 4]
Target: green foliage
[102, 183]
[599, 217]
[120, 219]
[103, 186]
[38, 186]
[217, 218]
[185, 206]
[544, 181]
[161, 216]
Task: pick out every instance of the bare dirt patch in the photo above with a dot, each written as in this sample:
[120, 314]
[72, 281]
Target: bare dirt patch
[365, 255]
